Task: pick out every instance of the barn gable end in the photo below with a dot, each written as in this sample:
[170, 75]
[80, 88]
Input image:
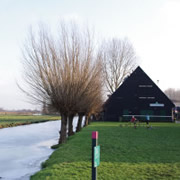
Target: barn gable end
[140, 96]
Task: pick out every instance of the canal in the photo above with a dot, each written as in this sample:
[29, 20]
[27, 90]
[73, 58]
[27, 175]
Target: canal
[24, 148]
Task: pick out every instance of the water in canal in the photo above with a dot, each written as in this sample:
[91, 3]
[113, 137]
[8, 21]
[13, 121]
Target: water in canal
[24, 148]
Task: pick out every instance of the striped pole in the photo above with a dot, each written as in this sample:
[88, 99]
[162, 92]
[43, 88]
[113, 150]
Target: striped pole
[94, 144]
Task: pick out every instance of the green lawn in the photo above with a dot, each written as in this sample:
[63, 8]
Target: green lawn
[15, 120]
[126, 153]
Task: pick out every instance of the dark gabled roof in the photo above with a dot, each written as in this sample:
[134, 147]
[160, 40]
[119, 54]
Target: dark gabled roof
[130, 87]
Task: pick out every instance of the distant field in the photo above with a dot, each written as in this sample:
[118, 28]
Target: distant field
[16, 120]
[126, 154]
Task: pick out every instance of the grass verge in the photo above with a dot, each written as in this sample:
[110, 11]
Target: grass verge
[126, 153]
[16, 120]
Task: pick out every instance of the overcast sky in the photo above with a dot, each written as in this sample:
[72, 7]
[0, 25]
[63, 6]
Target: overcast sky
[153, 27]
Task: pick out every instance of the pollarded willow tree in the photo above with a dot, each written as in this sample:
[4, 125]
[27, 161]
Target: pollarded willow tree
[63, 71]
[91, 101]
[119, 59]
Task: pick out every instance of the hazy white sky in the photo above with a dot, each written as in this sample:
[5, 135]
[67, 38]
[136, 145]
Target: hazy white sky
[153, 26]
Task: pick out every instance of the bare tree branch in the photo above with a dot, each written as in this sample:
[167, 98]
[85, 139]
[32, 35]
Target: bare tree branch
[119, 60]
[64, 73]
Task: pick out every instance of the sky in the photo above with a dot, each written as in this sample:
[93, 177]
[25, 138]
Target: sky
[152, 26]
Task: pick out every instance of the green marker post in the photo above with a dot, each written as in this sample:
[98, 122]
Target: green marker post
[95, 154]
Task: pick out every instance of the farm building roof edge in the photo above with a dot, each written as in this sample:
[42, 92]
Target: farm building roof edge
[125, 97]
[131, 75]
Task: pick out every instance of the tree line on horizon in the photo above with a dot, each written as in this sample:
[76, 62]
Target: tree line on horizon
[173, 94]
[20, 111]
[69, 72]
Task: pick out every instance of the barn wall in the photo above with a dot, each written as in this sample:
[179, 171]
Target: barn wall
[138, 95]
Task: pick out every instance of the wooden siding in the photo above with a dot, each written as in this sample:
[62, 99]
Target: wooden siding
[138, 95]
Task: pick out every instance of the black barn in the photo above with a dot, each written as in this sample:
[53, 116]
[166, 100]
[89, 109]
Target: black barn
[139, 96]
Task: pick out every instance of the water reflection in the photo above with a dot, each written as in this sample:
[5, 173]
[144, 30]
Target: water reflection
[23, 148]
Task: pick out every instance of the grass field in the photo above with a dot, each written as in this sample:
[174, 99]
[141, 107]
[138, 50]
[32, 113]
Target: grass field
[16, 120]
[126, 153]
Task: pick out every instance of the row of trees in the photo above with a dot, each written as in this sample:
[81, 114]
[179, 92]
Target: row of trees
[68, 73]
[173, 94]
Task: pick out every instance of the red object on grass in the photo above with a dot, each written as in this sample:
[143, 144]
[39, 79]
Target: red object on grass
[95, 135]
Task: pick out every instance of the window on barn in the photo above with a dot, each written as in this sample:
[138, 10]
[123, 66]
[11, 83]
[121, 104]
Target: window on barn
[125, 111]
[143, 97]
[145, 86]
[151, 97]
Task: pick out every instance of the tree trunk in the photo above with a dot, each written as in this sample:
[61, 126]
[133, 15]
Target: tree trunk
[63, 130]
[86, 121]
[70, 126]
[79, 123]
[89, 119]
